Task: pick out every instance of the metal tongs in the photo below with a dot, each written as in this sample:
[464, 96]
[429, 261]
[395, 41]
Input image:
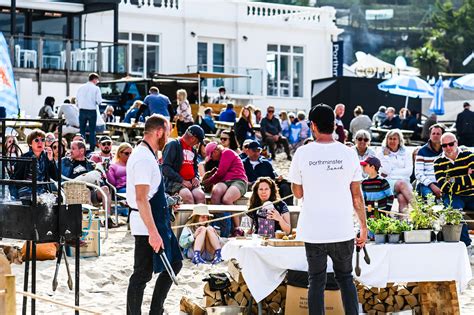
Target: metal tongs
[61, 254]
[167, 265]
[357, 269]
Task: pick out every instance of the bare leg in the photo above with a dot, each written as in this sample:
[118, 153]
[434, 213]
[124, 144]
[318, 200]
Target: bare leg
[231, 195]
[404, 195]
[187, 196]
[199, 196]
[213, 240]
[199, 240]
[218, 192]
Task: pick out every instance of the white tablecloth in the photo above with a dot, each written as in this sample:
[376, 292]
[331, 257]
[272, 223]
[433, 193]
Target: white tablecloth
[265, 267]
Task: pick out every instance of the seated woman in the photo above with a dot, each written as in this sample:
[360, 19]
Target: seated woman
[59, 151]
[229, 141]
[397, 166]
[362, 144]
[12, 150]
[117, 173]
[46, 168]
[244, 127]
[201, 243]
[108, 114]
[132, 112]
[265, 189]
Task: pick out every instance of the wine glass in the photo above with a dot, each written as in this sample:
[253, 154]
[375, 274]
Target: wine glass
[246, 224]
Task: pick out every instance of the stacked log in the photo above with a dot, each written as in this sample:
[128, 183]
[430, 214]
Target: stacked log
[393, 298]
[240, 295]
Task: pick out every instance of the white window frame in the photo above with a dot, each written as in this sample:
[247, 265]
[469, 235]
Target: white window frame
[278, 53]
[145, 44]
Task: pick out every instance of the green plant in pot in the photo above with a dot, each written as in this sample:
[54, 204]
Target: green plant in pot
[451, 224]
[379, 228]
[422, 218]
[393, 231]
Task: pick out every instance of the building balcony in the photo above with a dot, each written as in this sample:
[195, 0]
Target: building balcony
[43, 53]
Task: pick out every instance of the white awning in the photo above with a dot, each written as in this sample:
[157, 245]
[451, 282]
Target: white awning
[46, 5]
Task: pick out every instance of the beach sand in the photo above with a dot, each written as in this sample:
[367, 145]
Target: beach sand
[104, 279]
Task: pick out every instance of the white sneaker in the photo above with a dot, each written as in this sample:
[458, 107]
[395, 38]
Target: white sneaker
[470, 251]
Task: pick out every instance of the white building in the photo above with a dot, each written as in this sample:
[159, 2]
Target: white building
[279, 48]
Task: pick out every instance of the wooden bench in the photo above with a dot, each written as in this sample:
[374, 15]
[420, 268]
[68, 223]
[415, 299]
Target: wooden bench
[185, 210]
[241, 201]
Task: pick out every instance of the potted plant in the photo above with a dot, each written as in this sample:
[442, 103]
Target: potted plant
[452, 224]
[379, 228]
[393, 231]
[404, 227]
[422, 218]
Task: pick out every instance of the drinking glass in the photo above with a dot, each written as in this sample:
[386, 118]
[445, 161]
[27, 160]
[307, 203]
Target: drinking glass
[246, 224]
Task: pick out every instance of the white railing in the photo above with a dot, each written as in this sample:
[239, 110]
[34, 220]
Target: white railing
[163, 4]
[262, 11]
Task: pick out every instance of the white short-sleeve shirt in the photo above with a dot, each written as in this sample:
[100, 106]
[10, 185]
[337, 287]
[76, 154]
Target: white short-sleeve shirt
[325, 171]
[142, 169]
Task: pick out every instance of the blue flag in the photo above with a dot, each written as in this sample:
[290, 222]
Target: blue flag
[8, 97]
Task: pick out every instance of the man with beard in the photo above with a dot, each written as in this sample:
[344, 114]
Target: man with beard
[105, 154]
[150, 219]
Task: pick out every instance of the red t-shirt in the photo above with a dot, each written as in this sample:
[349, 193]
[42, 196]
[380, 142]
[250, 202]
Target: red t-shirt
[187, 168]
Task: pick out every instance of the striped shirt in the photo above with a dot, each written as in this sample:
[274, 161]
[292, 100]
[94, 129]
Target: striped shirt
[377, 189]
[452, 176]
[424, 164]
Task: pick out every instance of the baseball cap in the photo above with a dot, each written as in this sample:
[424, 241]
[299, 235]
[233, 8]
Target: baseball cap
[196, 131]
[210, 147]
[254, 145]
[372, 161]
[247, 142]
[105, 139]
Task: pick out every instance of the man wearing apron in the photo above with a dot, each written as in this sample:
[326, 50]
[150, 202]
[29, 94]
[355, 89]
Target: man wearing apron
[150, 219]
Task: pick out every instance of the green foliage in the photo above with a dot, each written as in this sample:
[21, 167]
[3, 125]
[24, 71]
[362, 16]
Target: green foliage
[429, 60]
[405, 226]
[451, 216]
[394, 227]
[387, 225]
[423, 215]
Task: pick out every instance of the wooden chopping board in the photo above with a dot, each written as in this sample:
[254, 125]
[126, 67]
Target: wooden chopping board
[283, 243]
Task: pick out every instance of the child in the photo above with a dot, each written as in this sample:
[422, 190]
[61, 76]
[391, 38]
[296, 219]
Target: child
[201, 243]
[375, 188]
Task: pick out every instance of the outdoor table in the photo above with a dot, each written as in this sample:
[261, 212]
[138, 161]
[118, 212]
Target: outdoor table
[125, 129]
[20, 127]
[222, 125]
[265, 267]
[407, 134]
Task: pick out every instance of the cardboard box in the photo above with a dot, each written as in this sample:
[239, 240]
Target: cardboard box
[297, 301]
[92, 239]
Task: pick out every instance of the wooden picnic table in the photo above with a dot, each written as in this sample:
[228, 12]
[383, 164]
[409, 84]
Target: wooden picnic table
[126, 130]
[407, 134]
[225, 125]
[20, 127]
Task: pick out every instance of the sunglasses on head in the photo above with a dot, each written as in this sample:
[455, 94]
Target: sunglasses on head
[127, 153]
[363, 139]
[38, 140]
[107, 143]
[449, 144]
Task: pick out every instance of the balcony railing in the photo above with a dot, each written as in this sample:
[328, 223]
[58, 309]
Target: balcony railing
[250, 82]
[164, 4]
[64, 54]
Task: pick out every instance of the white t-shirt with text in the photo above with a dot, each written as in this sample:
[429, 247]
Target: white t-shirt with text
[142, 169]
[325, 171]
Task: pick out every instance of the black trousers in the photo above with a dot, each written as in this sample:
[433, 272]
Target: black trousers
[142, 274]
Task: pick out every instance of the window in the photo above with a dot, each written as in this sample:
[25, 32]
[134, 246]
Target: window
[143, 52]
[211, 56]
[285, 70]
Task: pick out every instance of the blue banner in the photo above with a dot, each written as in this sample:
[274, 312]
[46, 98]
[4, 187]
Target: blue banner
[337, 58]
[8, 97]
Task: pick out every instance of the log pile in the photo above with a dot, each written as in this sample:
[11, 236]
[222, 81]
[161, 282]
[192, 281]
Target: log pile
[393, 298]
[239, 294]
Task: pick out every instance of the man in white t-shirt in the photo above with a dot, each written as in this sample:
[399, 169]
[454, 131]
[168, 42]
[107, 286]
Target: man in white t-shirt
[150, 219]
[327, 174]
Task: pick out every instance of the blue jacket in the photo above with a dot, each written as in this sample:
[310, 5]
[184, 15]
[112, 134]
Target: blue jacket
[71, 169]
[228, 115]
[262, 169]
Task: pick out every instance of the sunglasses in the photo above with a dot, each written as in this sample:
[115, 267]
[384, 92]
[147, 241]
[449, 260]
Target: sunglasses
[224, 139]
[38, 140]
[106, 144]
[363, 139]
[449, 144]
[270, 111]
[127, 153]
[55, 147]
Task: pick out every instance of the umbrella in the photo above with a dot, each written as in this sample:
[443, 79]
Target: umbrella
[437, 105]
[407, 86]
[465, 82]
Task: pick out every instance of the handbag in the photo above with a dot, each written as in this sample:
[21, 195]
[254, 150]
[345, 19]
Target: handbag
[219, 282]
[266, 227]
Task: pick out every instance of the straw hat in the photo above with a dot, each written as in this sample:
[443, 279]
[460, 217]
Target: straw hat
[200, 209]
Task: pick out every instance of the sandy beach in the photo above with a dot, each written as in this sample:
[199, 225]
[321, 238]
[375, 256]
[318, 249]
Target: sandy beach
[104, 279]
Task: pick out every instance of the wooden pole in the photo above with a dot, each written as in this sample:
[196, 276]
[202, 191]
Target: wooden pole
[10, 298]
